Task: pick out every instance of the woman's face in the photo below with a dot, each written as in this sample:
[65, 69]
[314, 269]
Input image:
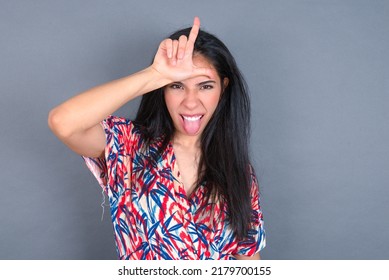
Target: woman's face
[192, 102]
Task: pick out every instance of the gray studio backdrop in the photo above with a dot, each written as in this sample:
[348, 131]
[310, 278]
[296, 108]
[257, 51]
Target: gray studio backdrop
[318, 74]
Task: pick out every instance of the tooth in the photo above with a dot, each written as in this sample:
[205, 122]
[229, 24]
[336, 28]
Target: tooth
[192, 118]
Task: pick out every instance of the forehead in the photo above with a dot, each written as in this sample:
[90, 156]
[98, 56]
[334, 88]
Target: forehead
[201, 61]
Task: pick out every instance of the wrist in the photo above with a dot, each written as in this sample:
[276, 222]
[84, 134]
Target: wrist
[156, 78]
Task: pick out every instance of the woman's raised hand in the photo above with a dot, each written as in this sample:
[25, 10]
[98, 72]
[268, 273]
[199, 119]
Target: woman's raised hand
[76, 121]
[173, 59]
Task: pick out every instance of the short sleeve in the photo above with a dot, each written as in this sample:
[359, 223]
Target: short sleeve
[120, 138]
[256, 238]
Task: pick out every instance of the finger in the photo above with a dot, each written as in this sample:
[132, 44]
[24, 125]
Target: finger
[195, 30]
[174, 53]
[181, 46]
[193, 34]
[169, 47]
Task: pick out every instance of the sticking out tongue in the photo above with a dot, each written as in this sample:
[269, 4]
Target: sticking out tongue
[192, 125]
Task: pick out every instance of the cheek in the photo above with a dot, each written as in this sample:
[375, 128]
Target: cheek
[213, 101]
[171, 102]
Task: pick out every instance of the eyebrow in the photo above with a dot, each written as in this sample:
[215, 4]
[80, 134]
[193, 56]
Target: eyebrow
[199, 84]
[206, 82]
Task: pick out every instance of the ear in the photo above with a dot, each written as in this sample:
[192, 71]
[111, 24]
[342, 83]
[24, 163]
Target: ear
[225, 83]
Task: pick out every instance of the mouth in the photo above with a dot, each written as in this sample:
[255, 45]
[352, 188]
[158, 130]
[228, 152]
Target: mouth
[191, 123]
[191, 118]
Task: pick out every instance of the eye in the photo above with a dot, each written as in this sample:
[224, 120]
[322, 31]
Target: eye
[206, 87]
[176, 86]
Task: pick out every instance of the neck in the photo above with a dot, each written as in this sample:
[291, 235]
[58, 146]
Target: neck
[186, 141]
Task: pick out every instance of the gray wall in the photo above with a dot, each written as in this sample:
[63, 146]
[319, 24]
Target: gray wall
[318, 74]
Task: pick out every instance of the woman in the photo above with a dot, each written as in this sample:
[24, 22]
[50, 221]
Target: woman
[178, 177]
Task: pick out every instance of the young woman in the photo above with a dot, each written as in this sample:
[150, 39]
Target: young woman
[178, 177]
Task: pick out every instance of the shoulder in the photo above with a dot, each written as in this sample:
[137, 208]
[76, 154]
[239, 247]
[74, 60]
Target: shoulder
[120, 125]
[114, 121]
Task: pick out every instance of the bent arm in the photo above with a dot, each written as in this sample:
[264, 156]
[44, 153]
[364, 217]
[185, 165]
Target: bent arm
[76, 122]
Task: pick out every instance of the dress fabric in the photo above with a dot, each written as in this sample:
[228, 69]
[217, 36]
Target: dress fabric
[151, 214]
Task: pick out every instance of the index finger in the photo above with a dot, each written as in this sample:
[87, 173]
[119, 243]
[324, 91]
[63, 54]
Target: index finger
[193, 33]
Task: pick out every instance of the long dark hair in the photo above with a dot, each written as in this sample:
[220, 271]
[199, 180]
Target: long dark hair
[224, 164]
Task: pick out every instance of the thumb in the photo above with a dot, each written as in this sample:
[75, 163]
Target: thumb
[203, 71]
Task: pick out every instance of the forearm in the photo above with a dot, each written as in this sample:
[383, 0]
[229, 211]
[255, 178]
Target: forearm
[87, 109]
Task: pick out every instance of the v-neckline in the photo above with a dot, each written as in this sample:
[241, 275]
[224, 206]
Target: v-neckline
[177, 175]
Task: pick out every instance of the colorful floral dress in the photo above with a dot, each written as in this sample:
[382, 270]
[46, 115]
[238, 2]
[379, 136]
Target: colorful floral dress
[151, 214]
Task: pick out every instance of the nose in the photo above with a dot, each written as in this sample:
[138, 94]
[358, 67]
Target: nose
[191, 99]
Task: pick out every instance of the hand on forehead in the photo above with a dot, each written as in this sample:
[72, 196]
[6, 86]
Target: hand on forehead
[200, 61]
